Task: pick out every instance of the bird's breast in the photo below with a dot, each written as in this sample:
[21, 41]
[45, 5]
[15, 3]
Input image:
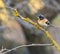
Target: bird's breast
[42, 22]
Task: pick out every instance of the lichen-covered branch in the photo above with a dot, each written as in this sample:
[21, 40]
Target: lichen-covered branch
[28, 20]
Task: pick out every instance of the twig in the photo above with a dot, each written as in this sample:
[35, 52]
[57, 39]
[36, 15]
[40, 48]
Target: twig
[27, 46]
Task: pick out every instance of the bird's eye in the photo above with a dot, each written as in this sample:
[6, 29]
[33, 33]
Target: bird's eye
[41, 17]
[47, 23]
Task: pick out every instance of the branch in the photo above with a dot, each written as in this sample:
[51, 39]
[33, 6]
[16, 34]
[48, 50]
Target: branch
[28, 20]
[16, 13]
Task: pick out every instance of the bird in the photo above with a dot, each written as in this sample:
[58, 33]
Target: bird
[43, 21]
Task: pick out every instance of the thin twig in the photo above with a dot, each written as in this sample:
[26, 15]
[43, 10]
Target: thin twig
[27, 46]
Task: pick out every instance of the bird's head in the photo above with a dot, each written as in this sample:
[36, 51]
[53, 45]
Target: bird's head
[41, 17]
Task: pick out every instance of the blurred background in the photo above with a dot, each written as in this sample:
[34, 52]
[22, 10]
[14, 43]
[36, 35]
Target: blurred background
[15, 32]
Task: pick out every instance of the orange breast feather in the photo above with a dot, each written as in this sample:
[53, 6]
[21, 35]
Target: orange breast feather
[42, 21]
